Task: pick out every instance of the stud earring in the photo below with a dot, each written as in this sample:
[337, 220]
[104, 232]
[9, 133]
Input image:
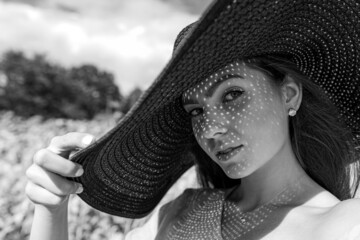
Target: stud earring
[292, 112]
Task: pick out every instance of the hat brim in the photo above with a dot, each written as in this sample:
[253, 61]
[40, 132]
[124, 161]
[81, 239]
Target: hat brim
[129, 169]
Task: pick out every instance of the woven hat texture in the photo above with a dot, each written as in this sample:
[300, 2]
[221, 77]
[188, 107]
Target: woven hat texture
[130, 168]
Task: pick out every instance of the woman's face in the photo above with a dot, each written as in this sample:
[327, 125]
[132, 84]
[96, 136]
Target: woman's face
[238, 118]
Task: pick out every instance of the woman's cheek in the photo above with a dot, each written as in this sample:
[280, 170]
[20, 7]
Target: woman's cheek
[267, 136]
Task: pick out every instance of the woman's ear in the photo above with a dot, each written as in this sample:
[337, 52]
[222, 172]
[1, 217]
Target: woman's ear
[292, 93]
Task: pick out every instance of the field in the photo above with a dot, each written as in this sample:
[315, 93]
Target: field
[19, 140]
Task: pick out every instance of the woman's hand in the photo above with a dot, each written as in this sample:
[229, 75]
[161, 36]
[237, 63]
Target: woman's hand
[47, 185]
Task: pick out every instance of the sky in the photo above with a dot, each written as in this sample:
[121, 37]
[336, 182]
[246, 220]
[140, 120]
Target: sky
[131, 39]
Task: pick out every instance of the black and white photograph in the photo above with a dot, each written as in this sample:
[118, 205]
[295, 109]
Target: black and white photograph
[180, 120]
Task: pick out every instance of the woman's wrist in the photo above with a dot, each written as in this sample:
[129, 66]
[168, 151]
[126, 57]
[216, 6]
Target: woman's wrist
[52, 210]
[50, 223]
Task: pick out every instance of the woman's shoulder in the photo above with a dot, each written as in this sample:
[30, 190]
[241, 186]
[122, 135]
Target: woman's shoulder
[324, 216]
[342, 220]
[349, 209]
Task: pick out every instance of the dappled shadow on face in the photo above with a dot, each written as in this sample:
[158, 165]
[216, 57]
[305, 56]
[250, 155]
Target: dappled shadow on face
[237, 109]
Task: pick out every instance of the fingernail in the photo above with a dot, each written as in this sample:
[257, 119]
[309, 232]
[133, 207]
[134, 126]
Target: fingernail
[79, 172]
[87, 140]
[80, 188]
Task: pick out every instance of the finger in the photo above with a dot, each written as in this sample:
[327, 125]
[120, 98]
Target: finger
[52, 182]
[63, 145]
[57, 164]
[39, 195]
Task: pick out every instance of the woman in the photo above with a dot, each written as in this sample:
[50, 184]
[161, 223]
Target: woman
[263, 97]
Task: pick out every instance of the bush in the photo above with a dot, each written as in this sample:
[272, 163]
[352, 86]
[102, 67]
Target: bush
[33, 86]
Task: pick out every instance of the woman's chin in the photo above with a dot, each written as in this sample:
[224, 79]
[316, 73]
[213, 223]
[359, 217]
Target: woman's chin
[236, 170]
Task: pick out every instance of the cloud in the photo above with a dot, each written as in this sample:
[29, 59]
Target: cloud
[132, 39]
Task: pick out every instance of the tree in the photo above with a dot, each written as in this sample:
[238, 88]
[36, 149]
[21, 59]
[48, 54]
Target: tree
[36, 87]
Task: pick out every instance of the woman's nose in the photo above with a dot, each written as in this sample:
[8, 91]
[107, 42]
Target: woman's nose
[214, 129]
[215, 132]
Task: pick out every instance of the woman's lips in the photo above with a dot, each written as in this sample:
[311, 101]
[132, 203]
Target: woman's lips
[228, 153]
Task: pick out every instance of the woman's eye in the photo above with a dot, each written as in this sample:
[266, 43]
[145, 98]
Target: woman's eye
[195, 112]
[232, 95]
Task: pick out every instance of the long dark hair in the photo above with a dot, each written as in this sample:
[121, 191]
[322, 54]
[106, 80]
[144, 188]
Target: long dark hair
[324, 146]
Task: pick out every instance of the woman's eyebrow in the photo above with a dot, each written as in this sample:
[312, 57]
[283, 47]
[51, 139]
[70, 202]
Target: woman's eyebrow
[222, 79]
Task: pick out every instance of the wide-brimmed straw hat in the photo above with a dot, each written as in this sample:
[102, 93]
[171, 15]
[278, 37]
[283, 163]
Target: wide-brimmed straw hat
[129, 169]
